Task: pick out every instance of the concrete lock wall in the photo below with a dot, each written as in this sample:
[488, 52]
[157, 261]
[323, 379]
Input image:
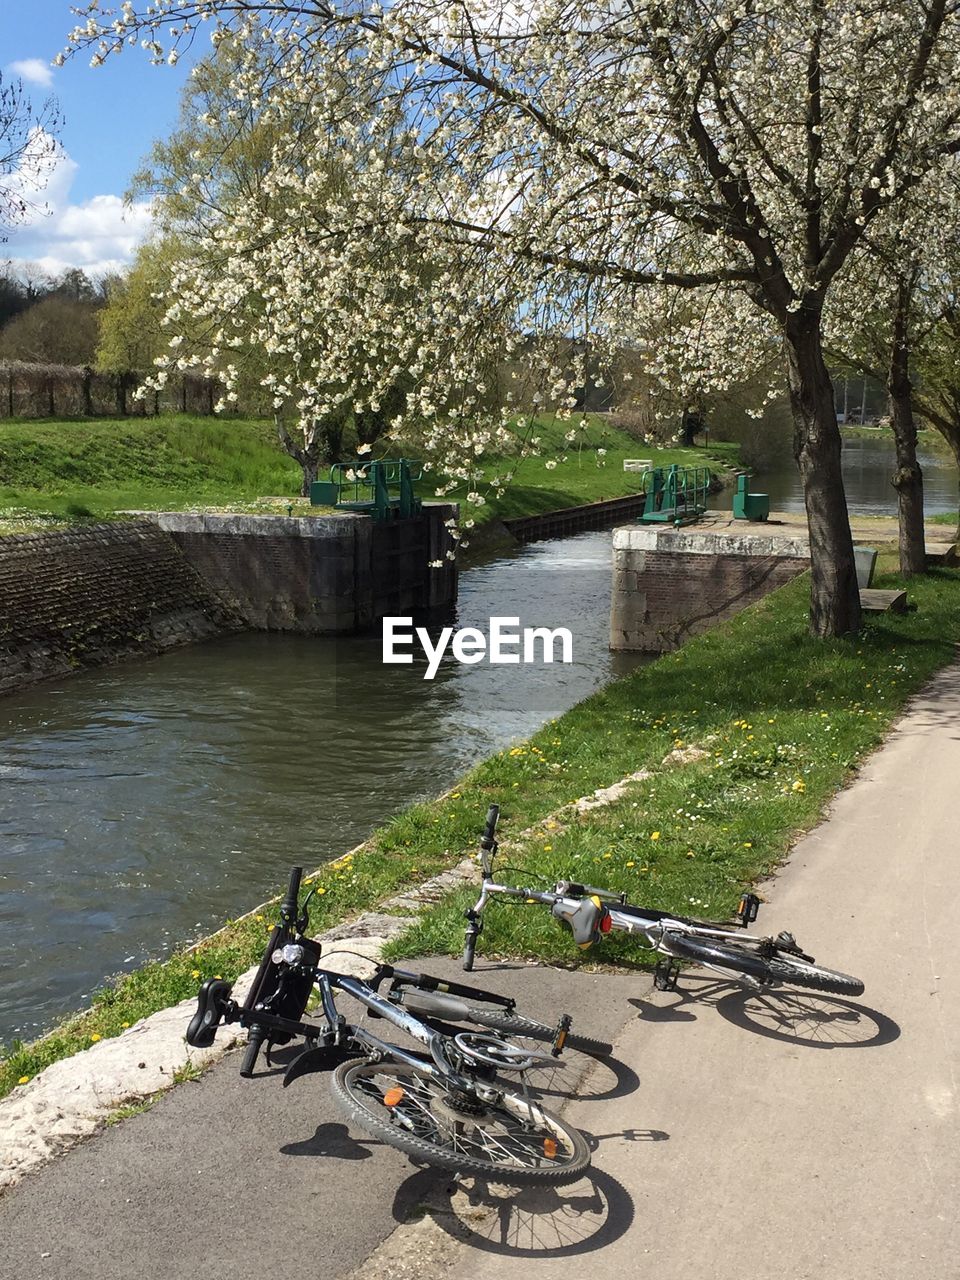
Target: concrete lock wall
[104, 593]
[670, 584]
[323, 575]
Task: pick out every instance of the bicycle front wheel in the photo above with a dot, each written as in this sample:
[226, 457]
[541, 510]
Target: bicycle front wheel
[780, 968]
[512, 1141]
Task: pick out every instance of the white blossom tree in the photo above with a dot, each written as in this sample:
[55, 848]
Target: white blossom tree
[28, 152]
[556, 159]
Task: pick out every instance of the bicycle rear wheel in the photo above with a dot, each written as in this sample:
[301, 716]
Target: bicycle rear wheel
[778, 969]
[512, 1140]
[515, 1024]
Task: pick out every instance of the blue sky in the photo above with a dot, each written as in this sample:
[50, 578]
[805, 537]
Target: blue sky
[111, 113]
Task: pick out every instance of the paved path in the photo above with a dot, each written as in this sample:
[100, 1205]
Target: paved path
[771, 1139]
[805, 1136]
[225, 1178]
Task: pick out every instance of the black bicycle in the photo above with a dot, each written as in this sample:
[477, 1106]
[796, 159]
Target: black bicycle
[590, 913]
[445, 1102]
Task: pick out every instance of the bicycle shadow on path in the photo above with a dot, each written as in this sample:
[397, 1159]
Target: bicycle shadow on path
[809, 1019]
[529, 1222]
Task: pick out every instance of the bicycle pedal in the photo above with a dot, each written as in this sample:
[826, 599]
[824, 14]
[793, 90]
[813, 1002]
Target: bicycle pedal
[665, 975]
[748, 909]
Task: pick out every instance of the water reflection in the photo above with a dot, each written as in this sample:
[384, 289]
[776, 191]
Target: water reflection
[868, 467]
[143, 804]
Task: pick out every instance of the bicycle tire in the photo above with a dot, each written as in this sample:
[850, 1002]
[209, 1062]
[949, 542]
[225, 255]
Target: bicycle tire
[778, 968]
[517, 1024]
[423, 1123]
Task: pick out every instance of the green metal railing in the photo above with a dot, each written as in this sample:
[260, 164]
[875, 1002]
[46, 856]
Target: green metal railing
[382, 488]
[675, 495]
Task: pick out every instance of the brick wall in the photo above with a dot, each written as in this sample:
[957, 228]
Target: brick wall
[94, 595]
[662, 597]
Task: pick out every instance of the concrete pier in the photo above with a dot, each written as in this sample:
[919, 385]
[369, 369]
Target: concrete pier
[670, 584]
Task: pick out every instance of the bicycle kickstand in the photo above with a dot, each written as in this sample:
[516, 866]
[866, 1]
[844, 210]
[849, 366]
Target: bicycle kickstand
[666, 973]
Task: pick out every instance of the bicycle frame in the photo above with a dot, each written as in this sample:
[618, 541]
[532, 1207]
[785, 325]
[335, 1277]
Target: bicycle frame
[591, 912]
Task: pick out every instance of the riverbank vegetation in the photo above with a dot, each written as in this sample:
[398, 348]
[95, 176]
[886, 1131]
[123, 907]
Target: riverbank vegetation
[61, 472]
[782, 718]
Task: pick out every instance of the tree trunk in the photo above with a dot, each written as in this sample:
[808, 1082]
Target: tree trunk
[86, 385]
[834, 594]
[908, 480]
[311, 466]
[308, 458]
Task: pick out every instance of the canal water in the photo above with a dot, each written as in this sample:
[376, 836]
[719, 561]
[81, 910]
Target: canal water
[868, 466]
[143, 804]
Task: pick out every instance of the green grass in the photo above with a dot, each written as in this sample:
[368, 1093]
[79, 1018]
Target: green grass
[63, 472]
[785, 718]
[93, 468]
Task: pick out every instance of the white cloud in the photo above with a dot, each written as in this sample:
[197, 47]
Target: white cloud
[34, 70]
[98, 235]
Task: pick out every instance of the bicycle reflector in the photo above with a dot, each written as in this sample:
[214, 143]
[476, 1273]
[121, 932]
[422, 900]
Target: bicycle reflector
[550, 1147]
[392, 1097]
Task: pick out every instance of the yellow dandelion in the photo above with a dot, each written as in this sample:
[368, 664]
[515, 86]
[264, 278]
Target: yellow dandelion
[631, 864]
[24, 1080]
[194, 973]
[319, 890]
[547, 848]
[799, 785]
[654, 835]
[748, 844]
[95, 1037]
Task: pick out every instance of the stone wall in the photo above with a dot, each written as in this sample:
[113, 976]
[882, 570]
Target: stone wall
[97, 594]
[670, 584]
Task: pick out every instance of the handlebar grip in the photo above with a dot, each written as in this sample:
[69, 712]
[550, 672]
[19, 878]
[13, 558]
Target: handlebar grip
[288, 908]
[257, 1037]
[490, 829]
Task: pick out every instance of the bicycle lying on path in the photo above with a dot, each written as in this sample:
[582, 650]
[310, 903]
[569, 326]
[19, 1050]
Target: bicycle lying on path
[444, 1102]
[589, 913]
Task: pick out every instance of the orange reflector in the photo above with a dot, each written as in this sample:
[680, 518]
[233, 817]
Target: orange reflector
[560, 1041]
[392, 1097]
[549, 1147]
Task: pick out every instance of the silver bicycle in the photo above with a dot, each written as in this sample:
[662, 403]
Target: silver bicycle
[590, 913]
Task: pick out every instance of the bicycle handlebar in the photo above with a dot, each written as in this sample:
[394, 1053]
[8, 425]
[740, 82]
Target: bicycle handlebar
[488, 839]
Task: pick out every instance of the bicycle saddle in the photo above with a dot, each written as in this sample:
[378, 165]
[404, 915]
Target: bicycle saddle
[587, 921]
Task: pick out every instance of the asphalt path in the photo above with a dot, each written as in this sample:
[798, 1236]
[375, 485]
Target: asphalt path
[225, 1178]
[788, 1136]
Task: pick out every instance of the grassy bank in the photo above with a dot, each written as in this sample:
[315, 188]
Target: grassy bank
[62, 472]
[783, 717]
